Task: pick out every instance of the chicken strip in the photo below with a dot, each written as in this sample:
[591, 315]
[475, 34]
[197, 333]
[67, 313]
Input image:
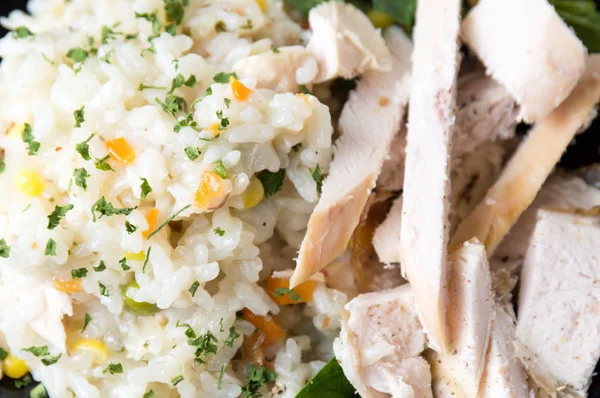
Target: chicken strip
[424, 230]
[368, 123]
[539, 60]
[558, 328]
[380, 345]
[529, 167]
[345, 42]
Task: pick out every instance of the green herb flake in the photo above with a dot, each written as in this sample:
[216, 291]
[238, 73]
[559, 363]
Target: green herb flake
[219, 231]
[223, 77]
[3, 354]
[304, 89]
[193, 288]
[103, 289]
[124, 264]
[220, 382]
[58, 213]
[108, 34]
[145, 188]
[81, 176]
[154, 20]
[168, 221]
[233, 334]
[40, 351]
[221, 170]
[106, 208]
[272, 182]
[149, 394]
[176, 380]
[4, 249]
[329, 382]
[50, 248]
[282, 291]
[205, 345]
[224, 120]
[86, 322]
[84, 149]
[275, 50]
[143, 87]
[78, 54]
[21, 32]
[101, 267]
[208, 91]
[79, 116]
[220, 26]
[189, 332]
[317, 175]
[106, 57]
[24, 381]
[113, 368]
[79, 273]
[257, 377]
[248, 25]
[2, 166]
[172, 104]
[38, 391]
[130, 228]
[51, 360]
[192, 153]
[146, 259]
[32, 145]
[227, 102]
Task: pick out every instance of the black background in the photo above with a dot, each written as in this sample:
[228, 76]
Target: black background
[585, 150]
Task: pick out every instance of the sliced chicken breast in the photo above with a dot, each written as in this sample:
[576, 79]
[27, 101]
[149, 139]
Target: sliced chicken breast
[558, 328]
[345, 42]
[282, 71]
[370, 119]
[530, 166]
[391, 178]
[424, 230]
[387, 236]
[380, 345]
[539, 60]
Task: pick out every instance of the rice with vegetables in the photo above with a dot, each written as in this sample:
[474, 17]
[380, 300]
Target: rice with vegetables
[152, 201]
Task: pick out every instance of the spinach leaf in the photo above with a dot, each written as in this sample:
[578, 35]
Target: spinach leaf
[403, 11]
[583, 17]
[304, 6]
[330, 382]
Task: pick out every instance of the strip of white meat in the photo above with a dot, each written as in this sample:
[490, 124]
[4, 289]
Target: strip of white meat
[424, 230]
[369, 120]
[561, 191]
[391, 178]
[539, 60]
[530, 166]
[380, 345]
[283, 71]
[386, 239]
[345, 42]
[558, 326]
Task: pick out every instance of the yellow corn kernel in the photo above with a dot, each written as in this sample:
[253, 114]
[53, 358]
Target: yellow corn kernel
[262, 4]
[14, 367]
[240, 92]
[16, 130]
[96, 347]
[29, 182]
[120, 150]
[141, 256]
[253, 194]
[211, 191]
[72, 286]
[152, 220]
[380, 19]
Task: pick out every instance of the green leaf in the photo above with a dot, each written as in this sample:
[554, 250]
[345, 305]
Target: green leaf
[22, 32]
[317, 175]
[403, 11]
[51, 360]
[168, 221]
[219, 231]
[146, 259]
[149, 394]
[2, 166]
[50, 248]
[4, 249]
[103, 289]
[145, 188]
[86, 322]
[58, 213]
[28, 138]
[330, 382]
[24, 381]
[272, 182]
[113, 368]
[221, 170]
[38, 391]
[106, 208]
[78, 54]
[233, 334]
[223, 77]
[130, 228]
[282, 291]
[192, 153]
[38, 351]
[193, 288]
[257, 377]
[78, 273]
[175, 11]
[102, 164]
[84, 149]
[81, 176]
[101, 267]
[583, 17]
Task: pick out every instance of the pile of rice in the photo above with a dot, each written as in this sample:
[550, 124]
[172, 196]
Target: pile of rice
[103, 90]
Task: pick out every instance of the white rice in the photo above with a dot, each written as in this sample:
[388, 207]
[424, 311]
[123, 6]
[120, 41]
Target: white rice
[39, 85]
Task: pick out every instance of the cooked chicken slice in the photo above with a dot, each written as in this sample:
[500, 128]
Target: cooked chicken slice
[558, 326]
[486, 112]
[391, 178]
[538, 60]
[345, 42]
[530, 166]
[387, 236]
[282, 71]
[504, 375]
[424, 230]
[561, 191]
[380, 345]
[369, 120]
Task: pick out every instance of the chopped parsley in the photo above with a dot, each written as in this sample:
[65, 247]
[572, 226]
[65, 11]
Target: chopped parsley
[248, 25]
[113, 368]
[106, 208]
[78, 54]
[317, 175]
[79, 273]
[168, 221]
[79, 116]
[192, 153]
[44, 353]
[282, 291]
[176, 380]
[24, 382]
[145, 188]
[149, 394]
[4, 249]
[146, 259]
[221, 170]
[205, 345]
[227, 101]
[130, 228]
[51, 360]
[304, 89]
[124, 264]
[220, 382]
[224, 120]
[86, 322]
[50, 249]
[233, 334]
[2, 166]
[102, 164]
[3, 354]
[193, 288]
[275, 50]
[101, 267]
[106, 57]
[81, 176]
[189, 332]
[223, 77]
[58, 213]
[272, 182]
[108, 34]
[143, 87]
[38, 391]
[219, 231]
[32, 145]
[172, 104]
[103, 289]
[257, 377]
[84, 149]
[180, 81]
[220, 26]
[21, 32]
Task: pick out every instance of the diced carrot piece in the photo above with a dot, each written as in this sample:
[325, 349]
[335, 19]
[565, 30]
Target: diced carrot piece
[251, 348]
[152, 220]
[211, 192]
[72, 286]
[240, 92]
[302, 293]
[120, 150]
[273, 332]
